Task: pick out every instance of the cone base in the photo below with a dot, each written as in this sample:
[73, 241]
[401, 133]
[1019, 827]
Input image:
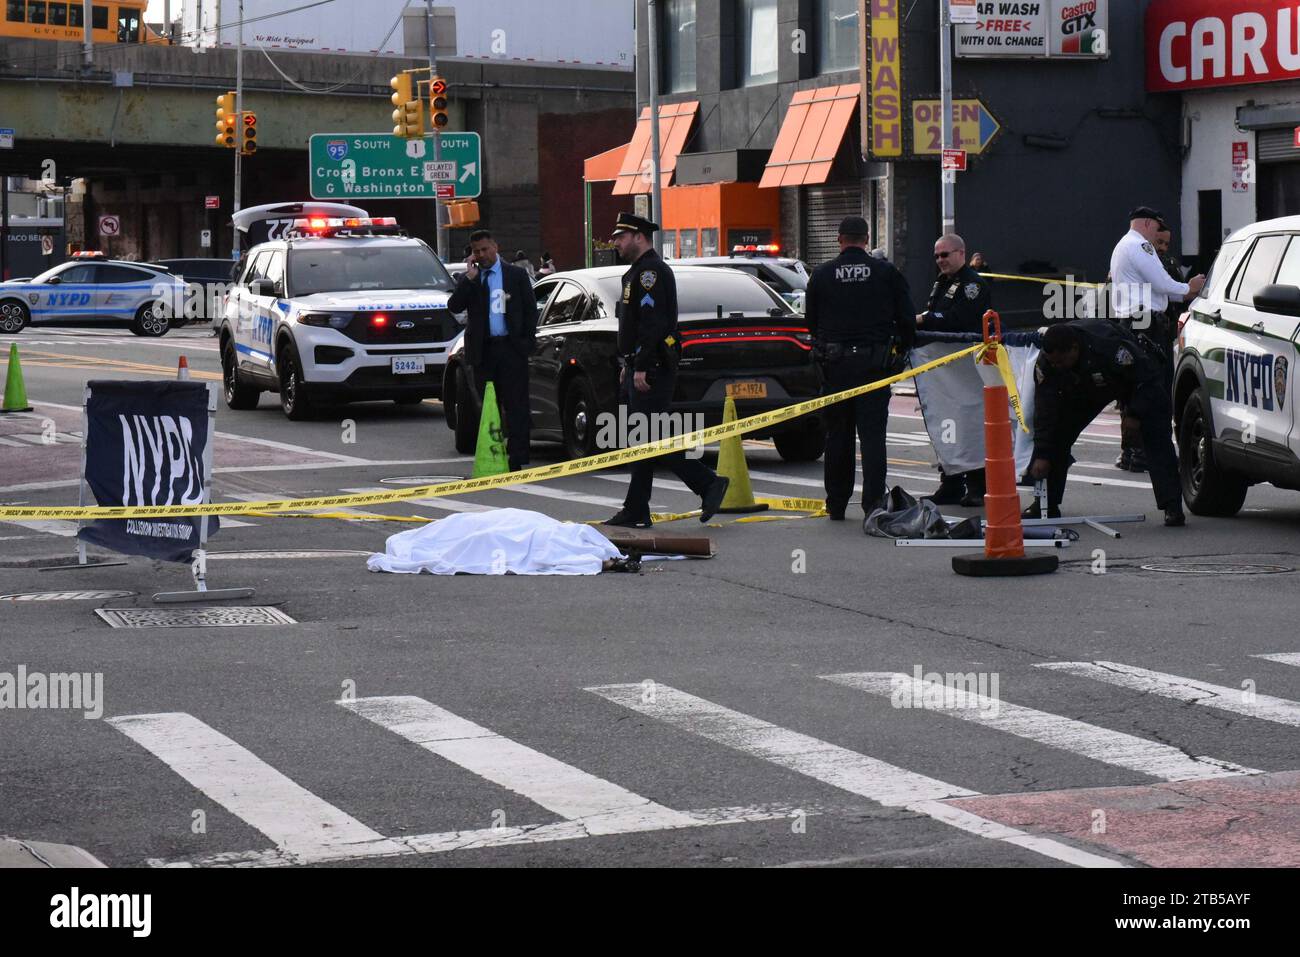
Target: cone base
[977, 566]
[26, 408]
[742, 509]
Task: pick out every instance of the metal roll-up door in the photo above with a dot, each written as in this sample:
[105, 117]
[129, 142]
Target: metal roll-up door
[827, 206]
[1276, 146]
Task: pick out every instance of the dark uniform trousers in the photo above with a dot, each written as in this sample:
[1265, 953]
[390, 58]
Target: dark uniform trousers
[508, 371]
[1151, 406]
[692, 472]
[865, 417]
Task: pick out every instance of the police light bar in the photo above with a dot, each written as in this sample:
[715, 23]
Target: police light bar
[323, 225]
[89, 254]
[769, 249]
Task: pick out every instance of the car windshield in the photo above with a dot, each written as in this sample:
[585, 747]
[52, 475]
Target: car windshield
[345, 269]
[703, 291]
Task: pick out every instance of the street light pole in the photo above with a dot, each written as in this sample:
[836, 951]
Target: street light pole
[440, 230]
[239, 109]
[656, 197]
[947, 180]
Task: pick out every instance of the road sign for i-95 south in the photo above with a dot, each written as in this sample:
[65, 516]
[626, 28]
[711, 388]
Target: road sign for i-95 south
[384, 166]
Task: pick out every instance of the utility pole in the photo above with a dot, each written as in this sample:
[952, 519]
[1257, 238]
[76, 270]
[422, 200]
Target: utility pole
[656, 198]
[87, 42]
[239, 112]
[438, 209]
[947, 179]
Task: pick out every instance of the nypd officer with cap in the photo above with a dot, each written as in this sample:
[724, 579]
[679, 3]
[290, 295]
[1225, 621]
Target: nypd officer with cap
[1084, 366]
[649, 345]
[861, 315]
[958, 301]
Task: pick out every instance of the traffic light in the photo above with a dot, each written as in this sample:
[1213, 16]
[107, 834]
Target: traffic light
[408, 118]
[248, 142]
[226, 120]
[438, 102]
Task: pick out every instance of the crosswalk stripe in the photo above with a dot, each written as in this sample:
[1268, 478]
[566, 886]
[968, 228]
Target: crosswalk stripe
[446, 504]
[1189, 690]
[1100, 744]
[564, 495]
[1285, 658]
[603, 807]
[63, 529]
[831, 764]
[296, 820]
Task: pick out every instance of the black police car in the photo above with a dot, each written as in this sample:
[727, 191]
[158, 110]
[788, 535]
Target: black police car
[738, 337]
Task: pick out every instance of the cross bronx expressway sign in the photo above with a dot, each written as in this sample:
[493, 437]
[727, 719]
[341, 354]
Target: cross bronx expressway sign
[383, 166]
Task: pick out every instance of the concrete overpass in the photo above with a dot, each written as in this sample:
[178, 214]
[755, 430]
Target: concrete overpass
[148, 154]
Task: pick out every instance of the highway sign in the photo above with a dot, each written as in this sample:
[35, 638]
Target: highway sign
[973, 127]
[109, 226]
[348, 166]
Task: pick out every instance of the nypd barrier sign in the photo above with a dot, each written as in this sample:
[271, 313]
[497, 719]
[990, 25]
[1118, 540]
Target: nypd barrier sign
[145, 445]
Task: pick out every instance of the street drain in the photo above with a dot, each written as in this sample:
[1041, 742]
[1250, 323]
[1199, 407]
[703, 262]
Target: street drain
[1215, 568]
[421, 479]
[67, 596]
[322, 553]
[231, 617]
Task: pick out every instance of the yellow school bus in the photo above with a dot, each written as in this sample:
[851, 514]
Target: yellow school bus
[116, 21]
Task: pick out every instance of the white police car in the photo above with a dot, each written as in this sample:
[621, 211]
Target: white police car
[1233, 402]
[93, 290]
[339, 310]
[787, 277]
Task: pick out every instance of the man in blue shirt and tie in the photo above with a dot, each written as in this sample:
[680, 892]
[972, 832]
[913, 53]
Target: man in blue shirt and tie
[499, 335]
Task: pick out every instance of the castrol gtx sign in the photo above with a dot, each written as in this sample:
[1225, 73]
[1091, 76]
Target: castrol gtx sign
[1192, 44]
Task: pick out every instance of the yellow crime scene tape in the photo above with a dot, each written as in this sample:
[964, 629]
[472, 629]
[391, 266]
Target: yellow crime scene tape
[1008, 378]
[591, 463]
[1045, 282]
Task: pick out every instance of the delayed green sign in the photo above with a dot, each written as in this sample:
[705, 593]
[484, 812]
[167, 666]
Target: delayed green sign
[382, 166]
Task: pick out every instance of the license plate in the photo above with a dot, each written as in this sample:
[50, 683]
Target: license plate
[747, 390]
[406, 365]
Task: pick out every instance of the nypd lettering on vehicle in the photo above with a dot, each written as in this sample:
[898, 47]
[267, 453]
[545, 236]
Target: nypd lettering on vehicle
[1254, 380]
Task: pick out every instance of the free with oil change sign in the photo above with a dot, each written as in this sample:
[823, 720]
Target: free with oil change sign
[383, 166]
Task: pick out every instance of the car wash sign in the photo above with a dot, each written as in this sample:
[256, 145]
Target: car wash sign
[882, 80]
[147, 444]
[1206, 43]
[1049, 29]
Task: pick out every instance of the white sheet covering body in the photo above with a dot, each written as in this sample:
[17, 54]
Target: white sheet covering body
[506, 540]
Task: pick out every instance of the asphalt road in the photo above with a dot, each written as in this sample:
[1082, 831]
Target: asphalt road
[736, 711]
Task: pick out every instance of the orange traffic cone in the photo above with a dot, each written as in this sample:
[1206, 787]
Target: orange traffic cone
[1004, 537]
[183, 370]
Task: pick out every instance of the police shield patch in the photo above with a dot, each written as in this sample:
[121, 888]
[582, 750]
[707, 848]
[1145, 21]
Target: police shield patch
[972, 290]
[1124, 357]
[1147, 248]
[648, 279]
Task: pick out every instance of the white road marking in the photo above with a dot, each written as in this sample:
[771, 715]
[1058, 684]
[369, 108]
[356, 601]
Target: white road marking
[1285, 658]
[602, 807]
[1100, 744]
[294, 819]
[831, 764]
[49, 526]
[286, 447]
[1189, 690]
[544, 491]
[446, 504]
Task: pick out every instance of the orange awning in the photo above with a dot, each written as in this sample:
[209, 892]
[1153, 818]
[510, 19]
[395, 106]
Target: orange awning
[675, 121]
[810, 136]
[604, 167]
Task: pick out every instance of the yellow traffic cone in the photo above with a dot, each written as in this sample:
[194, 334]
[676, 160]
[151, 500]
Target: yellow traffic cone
[490, 452]
[731, 463]
[15, 391]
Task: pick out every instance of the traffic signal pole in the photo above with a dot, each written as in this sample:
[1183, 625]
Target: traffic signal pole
[947, 179]
[239, 107]
[438, 210]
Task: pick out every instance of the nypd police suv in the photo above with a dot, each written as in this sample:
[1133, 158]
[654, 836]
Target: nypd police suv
[93, 290]
[1233, 400]
[339, 309]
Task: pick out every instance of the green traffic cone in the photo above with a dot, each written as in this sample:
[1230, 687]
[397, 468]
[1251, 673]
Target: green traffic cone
[15, 391]
[490, 452]
[731, 463]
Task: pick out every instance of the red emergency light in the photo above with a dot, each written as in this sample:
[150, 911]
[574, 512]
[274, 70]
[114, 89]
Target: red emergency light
[379, 320]
[767, 249]
[88, 254]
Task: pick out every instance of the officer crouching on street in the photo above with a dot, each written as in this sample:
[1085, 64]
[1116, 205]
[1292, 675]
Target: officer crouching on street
[861, 315]
[1084, 366]
[958, 301]
[650, 346]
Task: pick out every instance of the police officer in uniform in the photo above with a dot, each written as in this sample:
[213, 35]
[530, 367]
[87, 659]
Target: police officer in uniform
[1084, 366]
[861, 315]
[649, 345]
[958, 301]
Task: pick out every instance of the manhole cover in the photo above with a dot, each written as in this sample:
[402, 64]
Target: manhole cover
[1215, 568]
[422, 479]
[232, 617]
[67, 596]
[323, 553]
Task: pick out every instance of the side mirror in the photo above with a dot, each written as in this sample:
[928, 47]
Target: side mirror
[1279, 300]
[53, 281]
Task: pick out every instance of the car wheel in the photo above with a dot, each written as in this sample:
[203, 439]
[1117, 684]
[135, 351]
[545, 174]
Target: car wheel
[14, 316]
[1207, 489]
[295, 399]
[149, 323]
[805, 445]
[580, 414]
[238, 394]
[467, 417]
